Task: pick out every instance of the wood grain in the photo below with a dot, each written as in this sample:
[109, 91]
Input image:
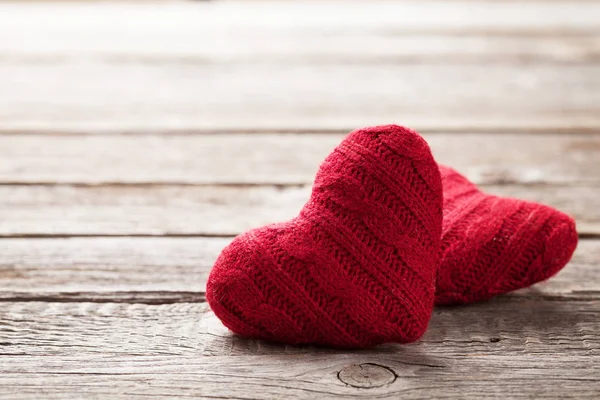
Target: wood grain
[281, 158]
[526, 325]
[418, 376]
[107, 264]
[459, 65]
[160, 129]
[500, 347]
[375, 32]
[99, 97]
[211, 210]
[133, 21]
[283, 47]
[171, 270]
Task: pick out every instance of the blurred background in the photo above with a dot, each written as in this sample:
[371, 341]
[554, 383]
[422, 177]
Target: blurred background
[204, 118]
[299, 65]
[149, 117]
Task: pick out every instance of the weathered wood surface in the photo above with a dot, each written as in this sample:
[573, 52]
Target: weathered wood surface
[176, 18]
[316, 375]
[460, 65]
[282, 46]
[281, 159]
[308, 32]
[507, 324]
[177, 96]
[154, 270]
[211, 210]
[487, 350]
[183, 123]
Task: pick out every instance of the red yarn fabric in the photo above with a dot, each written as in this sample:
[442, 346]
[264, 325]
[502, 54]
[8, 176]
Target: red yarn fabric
[493, 245]
[357, 266]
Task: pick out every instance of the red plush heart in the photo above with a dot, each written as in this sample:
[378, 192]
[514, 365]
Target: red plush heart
[357, 266]
[493, 245]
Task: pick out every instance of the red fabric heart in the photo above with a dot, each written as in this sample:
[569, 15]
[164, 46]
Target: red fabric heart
[357, 266]
[493, 245]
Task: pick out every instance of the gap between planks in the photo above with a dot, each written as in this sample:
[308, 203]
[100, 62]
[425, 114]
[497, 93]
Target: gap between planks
[206, 159]
[155, 270]
[209, 211]
[108, 74]
[99, 97]
[536, 326]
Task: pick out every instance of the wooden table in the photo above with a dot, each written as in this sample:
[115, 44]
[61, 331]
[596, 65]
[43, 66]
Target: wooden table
[136, 139]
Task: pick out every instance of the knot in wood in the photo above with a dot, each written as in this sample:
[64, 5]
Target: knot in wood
[366, 375]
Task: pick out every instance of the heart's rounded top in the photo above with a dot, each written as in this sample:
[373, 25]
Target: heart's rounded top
[357, 266]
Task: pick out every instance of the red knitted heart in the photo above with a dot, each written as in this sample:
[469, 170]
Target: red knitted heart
[356, 267]
[493, 245]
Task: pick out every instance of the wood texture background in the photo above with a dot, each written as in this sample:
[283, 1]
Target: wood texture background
[137, 138]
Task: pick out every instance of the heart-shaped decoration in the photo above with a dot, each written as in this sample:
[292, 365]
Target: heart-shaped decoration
[493, 245]
[357, 266]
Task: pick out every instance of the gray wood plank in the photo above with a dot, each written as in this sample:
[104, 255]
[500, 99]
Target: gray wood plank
[507, 324]
[407, 374]
[115, 97]
[283, 46]
[297, 65]
[281, 158]
[131, 22]
[376, 31]
[172, 270]
[499, 348]
[126, 318]
[211, 210]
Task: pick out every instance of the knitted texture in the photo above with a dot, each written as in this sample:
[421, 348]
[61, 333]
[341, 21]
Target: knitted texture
[493, 245]
[357, 266]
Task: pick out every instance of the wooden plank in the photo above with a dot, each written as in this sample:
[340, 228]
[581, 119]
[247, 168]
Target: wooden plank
[107, 264]
[298, 65]
[282, 47]
[132, 21]
[526, 325]
[406, 374]
[280, 159]
[210, 210]
[99, 97]
[171, 270]
[208, 33]
[486, 350]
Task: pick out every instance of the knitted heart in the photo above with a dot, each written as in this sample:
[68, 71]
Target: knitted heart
[493, 245]
[357, 266]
